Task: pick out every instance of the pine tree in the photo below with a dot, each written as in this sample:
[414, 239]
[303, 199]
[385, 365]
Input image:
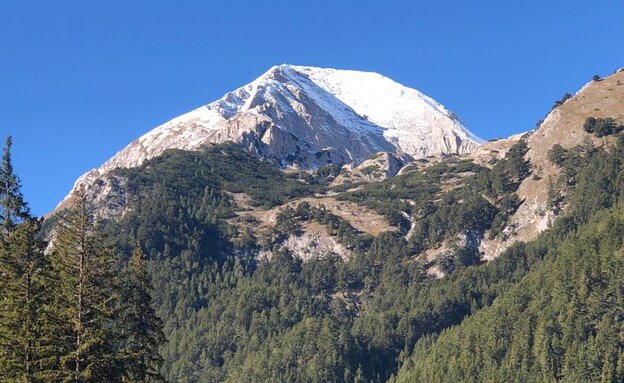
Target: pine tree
[142, 327]
[86, 298]
[26, 325]
[13, 209]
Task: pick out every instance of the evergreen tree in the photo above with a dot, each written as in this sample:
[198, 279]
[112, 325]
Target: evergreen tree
[26, 326]
[13, 209]
[142, 327]
[87, 299]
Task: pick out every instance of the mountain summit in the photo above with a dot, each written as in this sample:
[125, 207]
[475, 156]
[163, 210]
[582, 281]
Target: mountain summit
[307, 117]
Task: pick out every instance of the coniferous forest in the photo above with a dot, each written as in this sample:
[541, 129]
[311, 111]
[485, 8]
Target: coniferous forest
[81, 312]
[171, 291]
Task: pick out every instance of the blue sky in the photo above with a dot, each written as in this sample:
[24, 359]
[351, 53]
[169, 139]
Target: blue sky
[81, 79]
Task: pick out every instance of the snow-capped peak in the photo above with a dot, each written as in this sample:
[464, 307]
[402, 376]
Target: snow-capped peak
[384, 101]
[306, 117]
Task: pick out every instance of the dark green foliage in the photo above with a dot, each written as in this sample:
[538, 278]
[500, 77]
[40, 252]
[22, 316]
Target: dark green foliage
[392, 195]
[589, 124]
[217, 168]
[325, 174]
[558, 103]
[602, 126]
[370, 169]
[258, 327]
[13, 209]
[557, 155]
[86, 299]
[474, 204]
[466, 209]
[142, 335]
[507, 207]
[591, 180]
[26, 324]
[506, 175]
[27, 327]
[539, 123]
[288, 222]
[59, 313]
[561, 322]
[315, 350]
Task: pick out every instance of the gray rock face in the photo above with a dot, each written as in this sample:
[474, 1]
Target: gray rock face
[315, 244]
[377, 168]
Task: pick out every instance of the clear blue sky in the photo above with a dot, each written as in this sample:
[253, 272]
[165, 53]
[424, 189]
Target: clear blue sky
[81, 79]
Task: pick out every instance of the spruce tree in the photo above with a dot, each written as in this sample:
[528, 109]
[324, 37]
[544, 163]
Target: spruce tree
[143, 334]
[87, 298]
[13, 209]
[27, 351]
[27, 324]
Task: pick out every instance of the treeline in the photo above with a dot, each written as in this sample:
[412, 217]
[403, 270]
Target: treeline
[79, 312]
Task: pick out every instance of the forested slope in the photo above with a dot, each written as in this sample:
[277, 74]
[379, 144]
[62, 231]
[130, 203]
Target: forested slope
[563, 321]
[545, 310]
[231, 317]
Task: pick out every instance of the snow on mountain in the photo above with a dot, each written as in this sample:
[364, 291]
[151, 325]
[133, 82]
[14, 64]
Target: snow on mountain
[403, 112]
[307, 117]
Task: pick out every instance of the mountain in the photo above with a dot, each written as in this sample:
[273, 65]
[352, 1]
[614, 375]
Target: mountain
[500, 264]
[307, 117]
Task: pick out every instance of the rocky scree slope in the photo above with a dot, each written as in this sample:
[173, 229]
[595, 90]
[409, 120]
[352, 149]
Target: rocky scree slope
[563, 126]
